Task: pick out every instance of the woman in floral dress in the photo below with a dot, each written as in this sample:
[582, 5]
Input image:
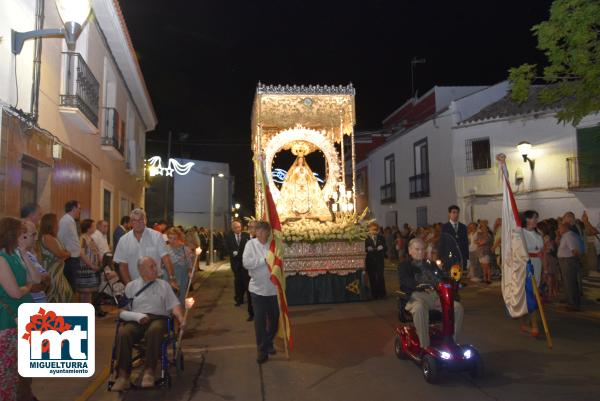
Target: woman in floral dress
[53, 259]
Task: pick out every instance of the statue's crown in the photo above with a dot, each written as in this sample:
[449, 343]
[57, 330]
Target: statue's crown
[300, 148]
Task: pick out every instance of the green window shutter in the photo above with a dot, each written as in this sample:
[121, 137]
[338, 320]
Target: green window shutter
[588, 156]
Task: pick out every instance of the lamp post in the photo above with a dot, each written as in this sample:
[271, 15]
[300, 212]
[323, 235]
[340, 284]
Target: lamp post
[211, 248]
[73, 14]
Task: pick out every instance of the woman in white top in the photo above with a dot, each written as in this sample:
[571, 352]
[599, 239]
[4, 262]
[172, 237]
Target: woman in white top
[262, 291]
[535, 248]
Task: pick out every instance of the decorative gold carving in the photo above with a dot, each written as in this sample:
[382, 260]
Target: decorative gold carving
[313, 259]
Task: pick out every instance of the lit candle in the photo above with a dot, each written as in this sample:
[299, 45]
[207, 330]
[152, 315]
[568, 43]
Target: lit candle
[198, 251]
[189, 302]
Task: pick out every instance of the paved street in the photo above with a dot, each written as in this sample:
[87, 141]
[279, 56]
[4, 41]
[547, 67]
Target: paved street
[344, 352]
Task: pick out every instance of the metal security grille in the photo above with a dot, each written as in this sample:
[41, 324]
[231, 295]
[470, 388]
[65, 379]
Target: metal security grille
[478, 154]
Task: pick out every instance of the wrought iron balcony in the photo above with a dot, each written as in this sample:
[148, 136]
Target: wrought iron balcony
[388, 193]
[419, 186]
[113, 135]
[582, 173]
[80, 89]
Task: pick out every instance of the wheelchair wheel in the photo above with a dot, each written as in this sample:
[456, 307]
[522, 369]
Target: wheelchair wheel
[399, 349]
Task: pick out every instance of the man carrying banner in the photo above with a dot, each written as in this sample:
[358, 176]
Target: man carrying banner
[519, 284]
[262, 291]
[535, 249]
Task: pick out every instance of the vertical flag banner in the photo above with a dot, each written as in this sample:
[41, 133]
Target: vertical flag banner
[274, 257]
[517, 269]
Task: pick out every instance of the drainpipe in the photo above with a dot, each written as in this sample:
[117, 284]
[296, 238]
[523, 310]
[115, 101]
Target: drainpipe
[37, 62]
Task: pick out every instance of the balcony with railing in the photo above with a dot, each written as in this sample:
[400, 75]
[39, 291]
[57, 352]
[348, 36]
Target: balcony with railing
[113, 134]
[419, 186]
[583, 173]
[388, 193]
[80, 93]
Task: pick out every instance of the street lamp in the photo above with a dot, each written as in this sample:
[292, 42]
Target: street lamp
[73, 14]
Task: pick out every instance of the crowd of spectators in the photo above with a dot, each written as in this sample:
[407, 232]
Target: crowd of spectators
[483, 261]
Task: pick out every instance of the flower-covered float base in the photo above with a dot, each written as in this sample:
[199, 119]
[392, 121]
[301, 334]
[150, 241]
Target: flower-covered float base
[324, 262]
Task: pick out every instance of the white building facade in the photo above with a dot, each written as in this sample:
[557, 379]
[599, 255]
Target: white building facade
[566, 170]
[410, 176]
[88, 141]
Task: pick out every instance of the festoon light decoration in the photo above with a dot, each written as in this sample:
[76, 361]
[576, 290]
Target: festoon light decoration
[155, 167]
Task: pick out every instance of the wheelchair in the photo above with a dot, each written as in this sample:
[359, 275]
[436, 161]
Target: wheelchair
[170, 356]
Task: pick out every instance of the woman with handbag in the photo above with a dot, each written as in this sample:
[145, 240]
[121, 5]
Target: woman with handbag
[88, 276]
[16, 278]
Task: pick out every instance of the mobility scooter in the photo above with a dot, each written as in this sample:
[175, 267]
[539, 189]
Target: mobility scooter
[443, 352]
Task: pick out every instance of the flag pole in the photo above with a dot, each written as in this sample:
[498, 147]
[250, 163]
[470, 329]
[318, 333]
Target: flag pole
[285, 334]
[542, 314]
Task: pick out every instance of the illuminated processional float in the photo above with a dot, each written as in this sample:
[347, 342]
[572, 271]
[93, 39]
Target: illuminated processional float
[324, 255]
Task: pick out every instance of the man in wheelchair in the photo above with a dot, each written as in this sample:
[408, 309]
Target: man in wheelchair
[418, 280]
[152, 300]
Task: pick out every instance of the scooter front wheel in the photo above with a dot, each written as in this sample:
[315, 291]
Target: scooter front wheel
[399, 349]
[431, 369]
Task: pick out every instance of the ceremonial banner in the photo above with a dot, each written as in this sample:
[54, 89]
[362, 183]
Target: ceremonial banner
[517, 269]
[274, 257]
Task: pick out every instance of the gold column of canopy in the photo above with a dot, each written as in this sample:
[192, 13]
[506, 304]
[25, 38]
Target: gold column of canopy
[325, 113]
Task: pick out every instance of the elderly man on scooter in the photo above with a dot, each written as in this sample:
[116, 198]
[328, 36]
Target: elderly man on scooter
[418, 279]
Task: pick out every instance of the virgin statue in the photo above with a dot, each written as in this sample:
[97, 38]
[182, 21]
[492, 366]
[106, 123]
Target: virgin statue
[300, 195]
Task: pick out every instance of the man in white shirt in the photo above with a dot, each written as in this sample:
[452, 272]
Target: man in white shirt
[154, 298]
[139, 242]
[68, 236]
[100, 237]
[262, 291]
[569, 250]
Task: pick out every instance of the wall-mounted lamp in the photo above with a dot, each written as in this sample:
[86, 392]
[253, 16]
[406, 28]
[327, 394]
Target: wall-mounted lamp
[524, 148]
[73, 14]
[57, 151]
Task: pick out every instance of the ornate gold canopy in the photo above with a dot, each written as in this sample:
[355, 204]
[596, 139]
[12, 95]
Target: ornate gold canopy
[322, 108]
[314, 116]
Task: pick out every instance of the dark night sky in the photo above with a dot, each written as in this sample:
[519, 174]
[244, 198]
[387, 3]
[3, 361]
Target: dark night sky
[202, 59]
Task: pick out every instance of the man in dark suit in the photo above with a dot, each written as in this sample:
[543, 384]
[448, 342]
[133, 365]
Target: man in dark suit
[454, 234]
[235, 242]
[121, 230]
[376, 249]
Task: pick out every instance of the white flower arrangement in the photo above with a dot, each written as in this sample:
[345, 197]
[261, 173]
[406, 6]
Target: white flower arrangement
[314, 231]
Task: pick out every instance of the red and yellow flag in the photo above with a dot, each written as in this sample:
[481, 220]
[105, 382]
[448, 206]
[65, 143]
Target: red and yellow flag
[275, 255]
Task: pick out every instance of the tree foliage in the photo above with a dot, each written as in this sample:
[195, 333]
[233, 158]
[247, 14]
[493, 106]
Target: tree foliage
[570, 39]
